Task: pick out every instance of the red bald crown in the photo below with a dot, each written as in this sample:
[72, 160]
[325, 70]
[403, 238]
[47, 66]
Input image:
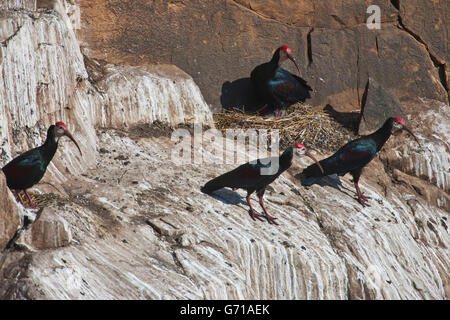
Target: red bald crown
[299, 145]
[61, 124]
[398, 119]
[286, 48]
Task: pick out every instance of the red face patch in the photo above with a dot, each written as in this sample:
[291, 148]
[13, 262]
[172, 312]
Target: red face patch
[299, 146]
[286, 49]
[398, 119]
[61, 124]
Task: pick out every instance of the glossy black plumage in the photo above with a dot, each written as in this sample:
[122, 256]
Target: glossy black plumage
[28, 168]
[248, 177]
[353, 157]
[278, 87]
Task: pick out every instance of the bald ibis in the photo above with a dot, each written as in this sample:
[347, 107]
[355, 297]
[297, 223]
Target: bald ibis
[28, 168]
[355, 155]
[277, 87]
[256, 176]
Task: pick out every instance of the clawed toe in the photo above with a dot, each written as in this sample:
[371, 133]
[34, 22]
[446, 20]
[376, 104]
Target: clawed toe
[271, 220]
[255, 216]
[365, 197]
[363, 201]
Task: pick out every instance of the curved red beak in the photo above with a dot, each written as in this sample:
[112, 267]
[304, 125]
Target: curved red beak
[411, 133]
[317, 162]
[69, 135]
[295, 62]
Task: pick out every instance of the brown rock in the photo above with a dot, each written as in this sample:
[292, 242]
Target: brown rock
[219, 42]
[378, 105]
[343, 60]
[428, 22]
[48, 231]
[9, 214]
[430, 193]
[336, 14]
[214, 42]
[13, 272]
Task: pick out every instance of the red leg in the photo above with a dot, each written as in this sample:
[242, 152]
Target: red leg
[253, 213]
[361, 197]
[32, 204]
[278, 113]
[269, 218]
[17, 193]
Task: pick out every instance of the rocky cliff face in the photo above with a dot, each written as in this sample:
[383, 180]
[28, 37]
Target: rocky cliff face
[219, 43]
[124, 221]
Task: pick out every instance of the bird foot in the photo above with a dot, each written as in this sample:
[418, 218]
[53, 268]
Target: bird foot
[365, 197]
[33, 205]
[362, 199]
[271, 220]
[255, 215]
[30, 201]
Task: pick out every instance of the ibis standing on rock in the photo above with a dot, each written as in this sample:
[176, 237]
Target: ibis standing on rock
[27, 169]
[277, 87]
[256, 176]
[355, 155]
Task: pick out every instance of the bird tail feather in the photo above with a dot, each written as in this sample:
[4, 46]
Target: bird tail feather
[312, 171]
[212, 185]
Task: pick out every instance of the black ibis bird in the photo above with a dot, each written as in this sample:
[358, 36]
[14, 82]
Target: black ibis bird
[356, 154]
[28, 168]
[277, 87]
[256, 176]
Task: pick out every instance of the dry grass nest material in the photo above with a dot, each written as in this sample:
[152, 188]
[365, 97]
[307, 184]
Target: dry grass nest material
[315, 129]
[41, 200]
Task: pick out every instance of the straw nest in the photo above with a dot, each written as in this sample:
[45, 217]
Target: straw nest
[316, 129]
[41, 200]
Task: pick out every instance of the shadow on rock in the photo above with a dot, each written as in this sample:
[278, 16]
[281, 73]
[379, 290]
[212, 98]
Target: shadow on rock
[349, 120]
[227, 196]
[331, 181]
[240, 94]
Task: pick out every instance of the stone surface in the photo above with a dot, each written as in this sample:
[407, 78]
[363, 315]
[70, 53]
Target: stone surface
[336, 14]
[146, 94]
[48, 231]
[9, 214]
[379, 105]
[46, 81]
[430, 120]
[345, 59]
[219, 42]
[43, 82]
[156, 236]
[428, 21]
[18, 4]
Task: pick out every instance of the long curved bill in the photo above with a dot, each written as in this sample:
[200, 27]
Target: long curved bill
[69, 135]
[411, 133]
[317, 162]
[296, 65]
